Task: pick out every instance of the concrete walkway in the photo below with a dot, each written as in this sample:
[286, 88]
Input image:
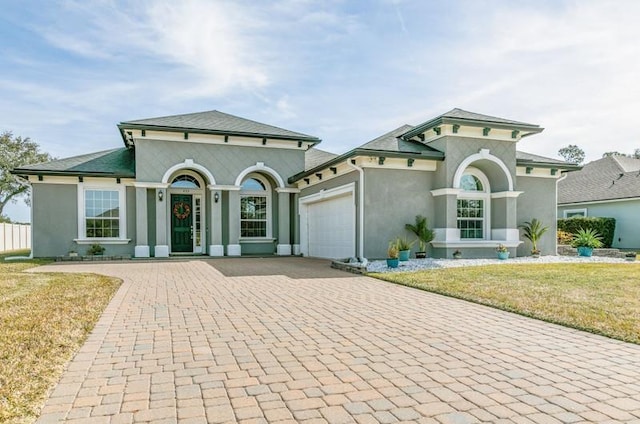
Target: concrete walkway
[183, 342]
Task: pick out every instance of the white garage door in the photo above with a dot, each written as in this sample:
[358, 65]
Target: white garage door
[331, 227]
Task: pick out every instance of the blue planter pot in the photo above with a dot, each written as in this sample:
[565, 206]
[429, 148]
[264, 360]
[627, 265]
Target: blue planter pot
[393, 263]
[404, 255]
[585, 251]
[503, 255]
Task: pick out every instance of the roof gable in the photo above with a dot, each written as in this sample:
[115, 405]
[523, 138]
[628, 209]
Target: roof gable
[462, 117]
[215, 122]
[457, 113]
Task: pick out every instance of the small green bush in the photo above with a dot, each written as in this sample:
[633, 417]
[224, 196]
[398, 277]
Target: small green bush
[603, 226]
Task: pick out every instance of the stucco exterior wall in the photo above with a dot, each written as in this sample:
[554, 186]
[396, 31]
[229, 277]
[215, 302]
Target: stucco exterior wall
[55, 222]
[224, 162]
[626, 214]
[55, 219]
[392, 199]
[537, 201]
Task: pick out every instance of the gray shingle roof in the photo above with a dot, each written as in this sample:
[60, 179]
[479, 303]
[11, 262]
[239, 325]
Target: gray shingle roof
[523, 157]
[114, 163]
[217, 122]
[314, 157]
[459, 116]
[463, 114]
[608, 178]
[391, 142]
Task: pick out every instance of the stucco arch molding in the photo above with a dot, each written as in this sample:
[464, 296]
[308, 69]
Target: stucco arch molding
[260, 167]
[188, 164]
[483, 154]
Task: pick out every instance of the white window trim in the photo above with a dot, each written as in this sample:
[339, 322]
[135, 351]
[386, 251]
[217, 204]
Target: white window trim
[267, 194]
[484, 195]
[568, 211]
[82, 219]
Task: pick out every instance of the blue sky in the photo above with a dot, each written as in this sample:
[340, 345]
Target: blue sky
[344, 71]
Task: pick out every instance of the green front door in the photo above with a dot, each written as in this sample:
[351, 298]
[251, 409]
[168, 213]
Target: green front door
[181, 223]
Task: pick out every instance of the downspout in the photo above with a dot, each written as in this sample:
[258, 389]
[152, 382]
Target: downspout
[564, 175]
[352, 164]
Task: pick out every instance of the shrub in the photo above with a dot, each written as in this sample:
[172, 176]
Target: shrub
[603, 226]
[564, 237]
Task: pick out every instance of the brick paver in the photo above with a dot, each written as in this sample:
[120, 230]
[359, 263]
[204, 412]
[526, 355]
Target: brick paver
[181, 341]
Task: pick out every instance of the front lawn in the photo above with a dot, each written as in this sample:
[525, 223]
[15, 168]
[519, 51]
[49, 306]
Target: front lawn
[600, 298]
[44, 319]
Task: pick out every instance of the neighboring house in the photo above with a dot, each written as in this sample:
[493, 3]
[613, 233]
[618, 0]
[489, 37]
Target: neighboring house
[216, 184]
[608, 187]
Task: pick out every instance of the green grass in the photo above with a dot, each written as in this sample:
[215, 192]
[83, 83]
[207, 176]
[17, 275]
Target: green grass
[44, 319]
[599, 298]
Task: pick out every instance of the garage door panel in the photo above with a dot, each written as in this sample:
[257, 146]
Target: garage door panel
[331, 227]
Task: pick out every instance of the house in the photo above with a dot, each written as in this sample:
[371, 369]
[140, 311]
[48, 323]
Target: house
[216, 184]
[608, 187]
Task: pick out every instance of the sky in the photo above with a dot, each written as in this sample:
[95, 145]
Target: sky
[343, 71]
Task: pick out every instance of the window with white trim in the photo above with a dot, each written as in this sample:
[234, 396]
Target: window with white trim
[575, 213]
[255, 201]
[102, 213]
[472, 205]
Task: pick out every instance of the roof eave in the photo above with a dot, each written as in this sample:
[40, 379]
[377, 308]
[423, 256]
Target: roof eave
[439, 156]
[529, 129]
[565, 167]
[25, 172]
[124, 125]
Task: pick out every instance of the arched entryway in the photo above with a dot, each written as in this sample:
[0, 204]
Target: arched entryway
[187, 212]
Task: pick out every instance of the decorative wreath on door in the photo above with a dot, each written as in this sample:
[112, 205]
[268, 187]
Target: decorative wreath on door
[181, 210]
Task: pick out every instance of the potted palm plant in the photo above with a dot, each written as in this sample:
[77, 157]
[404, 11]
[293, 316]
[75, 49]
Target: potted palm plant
[392, 255]
[404, 247]
[586, 240]
[424, 234]
[533, 231]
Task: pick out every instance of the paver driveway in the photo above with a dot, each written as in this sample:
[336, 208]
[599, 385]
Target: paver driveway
[183, 342]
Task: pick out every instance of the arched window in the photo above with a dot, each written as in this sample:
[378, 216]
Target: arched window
[185, 181]
[255, 204]
[473, 205]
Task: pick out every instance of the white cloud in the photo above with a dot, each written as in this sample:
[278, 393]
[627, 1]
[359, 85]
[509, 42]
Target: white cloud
[211, 47]
[572, 70]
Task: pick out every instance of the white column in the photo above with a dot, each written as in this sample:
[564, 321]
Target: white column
[162, 245]
[234, 248]
[216, 248]
[142, 240]
[284, 229]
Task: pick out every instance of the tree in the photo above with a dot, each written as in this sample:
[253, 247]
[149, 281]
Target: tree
[608, 154]
[16, 152]
[636, 153]
[572, 153]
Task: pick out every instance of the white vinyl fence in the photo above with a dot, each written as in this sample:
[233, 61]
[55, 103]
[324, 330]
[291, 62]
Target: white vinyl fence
[14, 237]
